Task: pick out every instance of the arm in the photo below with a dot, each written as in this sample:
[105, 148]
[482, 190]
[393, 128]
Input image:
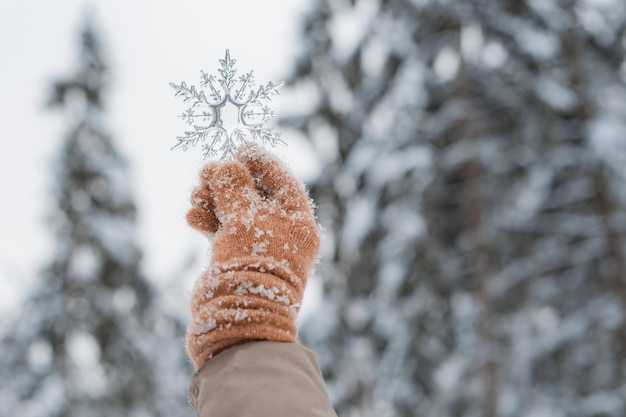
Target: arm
[261, 379]
[242, 335]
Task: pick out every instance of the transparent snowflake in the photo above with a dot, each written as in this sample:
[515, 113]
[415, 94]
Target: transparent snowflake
[222, 128]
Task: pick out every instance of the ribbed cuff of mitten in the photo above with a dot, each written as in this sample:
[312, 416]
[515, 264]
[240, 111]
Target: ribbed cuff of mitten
[233, 304]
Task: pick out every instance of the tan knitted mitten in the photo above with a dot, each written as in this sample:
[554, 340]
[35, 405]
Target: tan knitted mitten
[265, 244]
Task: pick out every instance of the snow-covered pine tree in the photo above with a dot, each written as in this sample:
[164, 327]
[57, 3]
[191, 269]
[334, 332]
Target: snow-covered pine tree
[473, 158]
[91, 340]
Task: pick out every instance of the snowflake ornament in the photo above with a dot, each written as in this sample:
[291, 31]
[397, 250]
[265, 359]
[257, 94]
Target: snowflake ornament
[228, 113]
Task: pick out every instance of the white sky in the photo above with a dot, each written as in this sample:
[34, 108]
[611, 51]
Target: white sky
[147, 44]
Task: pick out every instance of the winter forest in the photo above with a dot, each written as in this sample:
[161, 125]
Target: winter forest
[472, 194]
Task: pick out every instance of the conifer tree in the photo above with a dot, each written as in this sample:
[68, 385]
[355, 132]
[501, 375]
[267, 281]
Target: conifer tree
[91, 340]
[471, 189]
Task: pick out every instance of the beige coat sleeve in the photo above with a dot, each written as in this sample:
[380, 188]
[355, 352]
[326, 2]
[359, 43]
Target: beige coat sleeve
[261, 379]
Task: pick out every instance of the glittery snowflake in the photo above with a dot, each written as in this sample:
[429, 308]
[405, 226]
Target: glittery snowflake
[228, 112]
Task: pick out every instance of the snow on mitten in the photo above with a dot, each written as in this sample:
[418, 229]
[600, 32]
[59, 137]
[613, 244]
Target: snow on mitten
[265, 244]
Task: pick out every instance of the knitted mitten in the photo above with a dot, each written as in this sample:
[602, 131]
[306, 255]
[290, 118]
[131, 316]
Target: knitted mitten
[265, 244]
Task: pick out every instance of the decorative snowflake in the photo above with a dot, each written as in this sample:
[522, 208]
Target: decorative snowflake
[209, 112]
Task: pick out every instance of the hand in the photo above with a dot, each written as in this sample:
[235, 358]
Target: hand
[265, 243]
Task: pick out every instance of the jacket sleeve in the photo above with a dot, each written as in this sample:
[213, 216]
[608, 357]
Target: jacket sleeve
[261, 379]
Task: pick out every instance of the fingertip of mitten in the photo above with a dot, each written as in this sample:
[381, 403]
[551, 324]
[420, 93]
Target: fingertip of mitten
[202, 220]
[247, 151]
[203, 198]
[231, 174]
[207, 172]
[256, 159]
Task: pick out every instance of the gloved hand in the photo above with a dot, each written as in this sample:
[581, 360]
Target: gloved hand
[265, 244]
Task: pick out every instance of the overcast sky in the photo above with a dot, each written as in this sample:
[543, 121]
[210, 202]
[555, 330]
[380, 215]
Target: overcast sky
[147, 44]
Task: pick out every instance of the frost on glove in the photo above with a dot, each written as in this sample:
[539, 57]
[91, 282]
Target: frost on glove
[265, 244]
